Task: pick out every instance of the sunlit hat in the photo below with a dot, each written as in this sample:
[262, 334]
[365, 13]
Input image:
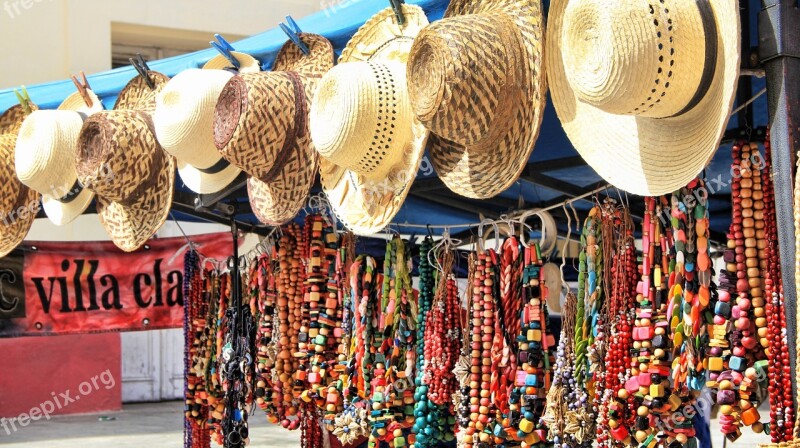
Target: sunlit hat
[363, 126]
[644, 89]
[45, 156]
[119, 158]
[184, 122]
[476, 80]
[261, 126]
[18, 203]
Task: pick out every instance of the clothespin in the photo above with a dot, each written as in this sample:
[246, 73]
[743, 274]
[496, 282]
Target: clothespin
[398, 11]
[224, 48]
[293, 34]
[24, 99]
[83, 86]
[141, 66]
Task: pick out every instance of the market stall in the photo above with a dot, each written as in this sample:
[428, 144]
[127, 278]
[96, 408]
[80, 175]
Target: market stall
[418, 123]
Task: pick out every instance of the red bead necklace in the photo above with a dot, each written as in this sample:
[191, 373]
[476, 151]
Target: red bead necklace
[780, 398]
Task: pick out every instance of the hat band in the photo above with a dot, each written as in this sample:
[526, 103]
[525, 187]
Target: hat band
[290, 141]
[710, 63]
[215, 168]
[73, 193]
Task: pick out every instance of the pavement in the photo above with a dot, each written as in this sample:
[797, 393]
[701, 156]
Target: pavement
[160, 425]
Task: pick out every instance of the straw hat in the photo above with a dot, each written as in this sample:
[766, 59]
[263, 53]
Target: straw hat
[644, 89]
[45, 157]
[363, 127]
[119, 158]
[184, 123]
[18, 203]
[476, 80]
[261, 126]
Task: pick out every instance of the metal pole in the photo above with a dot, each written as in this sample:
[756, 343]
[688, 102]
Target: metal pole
[779, 50]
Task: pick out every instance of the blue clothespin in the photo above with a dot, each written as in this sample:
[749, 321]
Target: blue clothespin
[293, 34]
[141, 66]
[398, 11]
[24, 99]
[224, 48]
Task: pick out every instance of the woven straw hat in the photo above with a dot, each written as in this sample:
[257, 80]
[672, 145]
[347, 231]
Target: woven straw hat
[476, 80]
[363, 127]
[184, 123]
[119, 158]
[45, 157]
[261, 126]
[644, 89]
[18, 203]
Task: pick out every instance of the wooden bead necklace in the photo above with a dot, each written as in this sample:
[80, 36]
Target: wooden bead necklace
[780, 398]
[262, 284]
[481, 407]
[196, 409]
[614, 413]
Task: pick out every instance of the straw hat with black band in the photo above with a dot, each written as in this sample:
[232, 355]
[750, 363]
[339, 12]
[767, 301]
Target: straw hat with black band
[18, 203]
[261, 126]
[363, 127]
[644, 89]
[184, 123]
[476, 80]
[120, 160]
[45, 157]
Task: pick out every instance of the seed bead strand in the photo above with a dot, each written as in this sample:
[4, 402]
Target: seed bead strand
[781, 401]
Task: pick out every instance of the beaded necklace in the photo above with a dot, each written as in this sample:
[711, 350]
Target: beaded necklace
[290, 299]
[613, 413]
[535, 345]
[262, 284]
[425, 299]
[196, 410]
[738, 383]
[781, 402]
[483, 325]
[563, 380]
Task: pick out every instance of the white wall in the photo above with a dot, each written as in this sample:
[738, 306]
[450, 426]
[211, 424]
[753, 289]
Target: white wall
[47, 40]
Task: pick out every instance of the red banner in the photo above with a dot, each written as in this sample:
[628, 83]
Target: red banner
[84, 287]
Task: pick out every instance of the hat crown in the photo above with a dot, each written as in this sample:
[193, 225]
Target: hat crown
[361, 111]
[117, 161]
[184, 115]
[45, 151]
[463, 74]
[636, 57]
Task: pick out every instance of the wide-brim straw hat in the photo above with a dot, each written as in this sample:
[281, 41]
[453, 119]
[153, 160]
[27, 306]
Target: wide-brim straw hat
[120, 159]
[362, 125]
[18, 203]
[261, 126]
[644, 90]
[477, 81]
[45, 157]
[184, 123]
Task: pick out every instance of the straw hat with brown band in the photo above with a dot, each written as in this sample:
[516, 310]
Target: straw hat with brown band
[363, 127]
[18, 203]
[644, 89]
[476, 80]
[261, 126]
[45, 156]
[119, 158]
[184, 123]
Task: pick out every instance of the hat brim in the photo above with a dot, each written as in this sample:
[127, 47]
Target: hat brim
[14, 226]
[61, 213]
[641, 155]
[206, 183]
[278, 200]
[366, 207]
[131, 225]
[476, 171]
